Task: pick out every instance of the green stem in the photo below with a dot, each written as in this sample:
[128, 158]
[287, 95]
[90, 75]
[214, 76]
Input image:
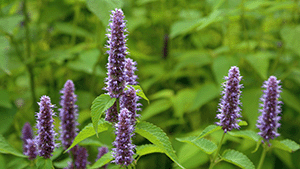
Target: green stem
[262, 158]
[214, 162]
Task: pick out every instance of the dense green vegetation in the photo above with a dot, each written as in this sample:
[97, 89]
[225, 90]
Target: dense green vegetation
[183, 50]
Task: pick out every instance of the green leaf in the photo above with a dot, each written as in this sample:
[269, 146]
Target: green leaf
[257, 145]
[221, 66]
[209, 129]
[102, 8]
[4, 99]
[286, 145]
[260, 63]
[6, 118]
[290, 100]
[17, 163]
[183, 100]
[9, 23]
[4, 46]
[63, 163]
[106, 158]
[165, 93]
[195, 58]
[205, 145]
[291, 35]
[5, 148]
[155, 108]
[99, 105]
[248, 134]
[148, 149]
[70, 29]
[140, 92]
[243, 123]
[237, 158]
[214, 16]
[44, 163]
[156, 135]
[88, 131]
[183, 27]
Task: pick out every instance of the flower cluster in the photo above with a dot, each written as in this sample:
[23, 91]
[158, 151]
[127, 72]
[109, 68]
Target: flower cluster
[31, 149]
[124, 147]
[129, 101]
[68, 114]
[229, 110]
[81, 158]
[268, 122]
[27, 133]
[46, 134]
[130, 68]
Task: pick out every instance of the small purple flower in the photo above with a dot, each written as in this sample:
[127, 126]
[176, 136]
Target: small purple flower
[101, 152]
[124, 148]
[46, 134]
[68, 114]
[117, 52]
[229, 110]
[130, 68]
[27, 133]
[81, 158]
[129, 101]
[31, 149]
[268, 122]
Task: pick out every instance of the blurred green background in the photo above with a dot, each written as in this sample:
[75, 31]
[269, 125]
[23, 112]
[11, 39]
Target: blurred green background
[183, 48]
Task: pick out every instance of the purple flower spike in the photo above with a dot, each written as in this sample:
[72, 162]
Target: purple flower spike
[81, 158]
[27, 133]
[31, 149]
[102, 151]
[229, 105]
[124, 148]
[112, 114]
[130, 68]
[268, 122]
[117, 52]
[68, 114]
[129, 101]
[46, 134]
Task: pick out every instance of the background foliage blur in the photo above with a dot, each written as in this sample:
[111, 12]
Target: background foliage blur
[183, 50]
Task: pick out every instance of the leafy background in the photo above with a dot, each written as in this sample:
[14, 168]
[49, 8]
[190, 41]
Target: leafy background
[183, 50]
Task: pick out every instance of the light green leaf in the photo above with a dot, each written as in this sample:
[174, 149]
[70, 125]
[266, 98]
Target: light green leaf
[243, 123]
[184, 27]
[155, 108]
[140, 92]
[148, 149]
[106, 158]
[291, 35]
[157, 136]
[203, 144]
[221, 66]
[209, 129]
[196, 58]
[5, 148]
[183, 100]
[4, 99]
[257, 145]
[237, 158]
[248, 134]
[4, 46]
[165, 93]
[99, 105]
[70, 29]
[206, 93]
[290, 100]
[89, 131]
[286, 145]
[102, 8]
[44, 163]
[9, 23]
[260, 63]
[215, 16]
[63, 163]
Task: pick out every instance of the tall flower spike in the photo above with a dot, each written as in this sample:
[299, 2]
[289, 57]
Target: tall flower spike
[229, 110]
[68, 114]
[117, 52]
[129, 101]
[268, 122]
[27, 133]
[31, 149]
[124, 149]
[101, 152]
[130, 68]
[46, 134]
[81, 158]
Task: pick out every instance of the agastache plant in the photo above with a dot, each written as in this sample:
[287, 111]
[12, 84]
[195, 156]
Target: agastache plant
[101, 152]
[45, 133]
[27, 133]
[116, 61]
[31, 149]
[81, 158]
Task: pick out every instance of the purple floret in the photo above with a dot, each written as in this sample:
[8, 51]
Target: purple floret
[46, 134]
[124, 148]
[68, 114]
[268, 122]
[31, 149]
[117, 52]
[101, 152]
[229, 110]
[27, 133]
[130, 68]
[81, 158]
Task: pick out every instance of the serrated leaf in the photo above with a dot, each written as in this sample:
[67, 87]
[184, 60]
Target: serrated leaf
[158, 137]
[148, 149]
[237, 158]
[88, 131]
[99, 105]
[6, 148]
[286, 145]
[140, 92]
[106, 158]
[205, 145]
[44, 163]
[209, 129]
[248, 134]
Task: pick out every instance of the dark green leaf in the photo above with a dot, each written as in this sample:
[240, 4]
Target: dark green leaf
[5, 148]
[99, 105]
[155, 108]
[44, 163]
[237, 158]
[290, 100]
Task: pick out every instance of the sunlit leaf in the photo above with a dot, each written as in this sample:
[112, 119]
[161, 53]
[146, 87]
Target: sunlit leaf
[203, 144]
[106, 158]
[237, 158]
